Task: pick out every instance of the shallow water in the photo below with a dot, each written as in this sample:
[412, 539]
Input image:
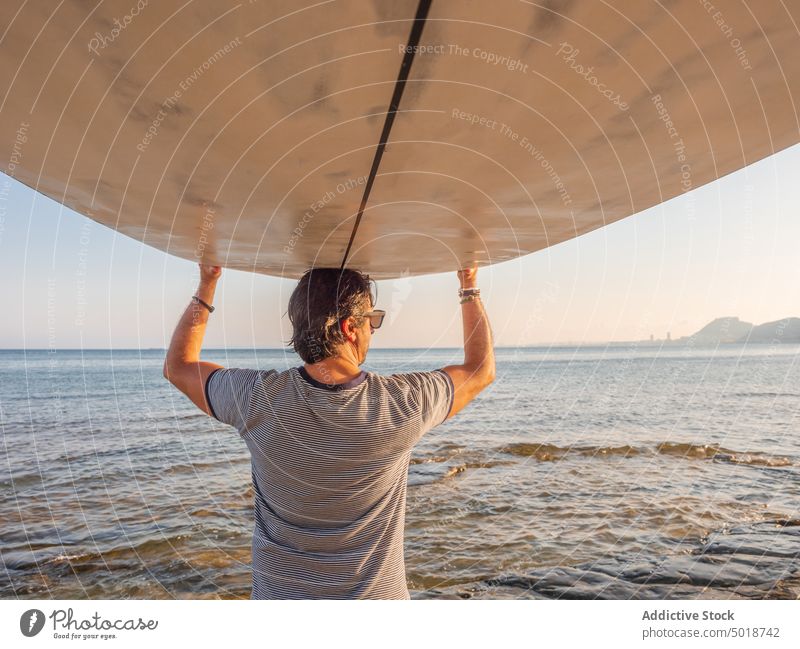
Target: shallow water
[610, 472]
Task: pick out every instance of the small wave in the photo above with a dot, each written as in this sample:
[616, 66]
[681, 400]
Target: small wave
[433, 468]
[719, 453]
[192, 415]
[428, 460]
[543, 452]
[454, 470]
[550, 452]
[91, 455]
[16, 481]
[695, 451]
[193, 467]
[450, 448]
[768, 395]
[460, 468]
[153, 548]
[61, 558]
[754, 460]
[202, 512]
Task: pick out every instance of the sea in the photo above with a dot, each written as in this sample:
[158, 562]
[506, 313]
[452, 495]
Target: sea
[631, 471]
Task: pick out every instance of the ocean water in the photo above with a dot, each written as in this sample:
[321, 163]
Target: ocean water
[582, 472]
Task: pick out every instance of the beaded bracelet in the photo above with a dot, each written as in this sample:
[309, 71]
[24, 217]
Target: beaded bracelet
[463, 292]
[469, 298]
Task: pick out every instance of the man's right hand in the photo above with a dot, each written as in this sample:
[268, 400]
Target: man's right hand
[468, 277]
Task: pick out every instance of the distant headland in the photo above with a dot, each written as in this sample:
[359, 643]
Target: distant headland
[731, 330]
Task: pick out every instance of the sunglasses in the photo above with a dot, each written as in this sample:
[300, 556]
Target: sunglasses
[376, 317]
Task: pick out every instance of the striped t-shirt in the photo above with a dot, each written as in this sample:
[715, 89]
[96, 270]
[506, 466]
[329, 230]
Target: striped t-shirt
[330, 469]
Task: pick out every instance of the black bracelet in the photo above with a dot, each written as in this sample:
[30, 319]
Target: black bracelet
[205, 304]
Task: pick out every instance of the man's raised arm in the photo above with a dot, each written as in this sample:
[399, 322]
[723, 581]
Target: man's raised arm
[182, 366]
[478, 368]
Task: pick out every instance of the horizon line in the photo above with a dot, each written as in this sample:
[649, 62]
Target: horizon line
[649, 343]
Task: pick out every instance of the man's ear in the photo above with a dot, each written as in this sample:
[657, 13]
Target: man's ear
[347, 327]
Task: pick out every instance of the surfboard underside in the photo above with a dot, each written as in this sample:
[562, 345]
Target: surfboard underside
[245, 134]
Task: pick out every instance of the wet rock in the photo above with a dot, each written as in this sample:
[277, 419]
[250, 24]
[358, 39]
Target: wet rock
[755, 561]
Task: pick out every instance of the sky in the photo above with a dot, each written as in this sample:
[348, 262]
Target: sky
[729, 248]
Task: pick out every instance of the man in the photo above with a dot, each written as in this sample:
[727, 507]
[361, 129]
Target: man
[330, 444]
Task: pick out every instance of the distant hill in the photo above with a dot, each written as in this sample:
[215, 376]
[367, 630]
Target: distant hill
[721, 330]
[786, 330]
[732, 330]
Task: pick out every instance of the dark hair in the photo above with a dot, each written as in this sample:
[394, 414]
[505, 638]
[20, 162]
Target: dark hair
[322, 297]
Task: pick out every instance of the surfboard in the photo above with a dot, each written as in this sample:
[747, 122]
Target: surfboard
[399, 138]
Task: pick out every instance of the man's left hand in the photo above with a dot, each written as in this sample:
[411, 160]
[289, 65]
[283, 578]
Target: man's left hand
[210, 273]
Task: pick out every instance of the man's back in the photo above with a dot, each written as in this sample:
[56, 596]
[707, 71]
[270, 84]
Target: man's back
[330, 462]
[330, 467]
